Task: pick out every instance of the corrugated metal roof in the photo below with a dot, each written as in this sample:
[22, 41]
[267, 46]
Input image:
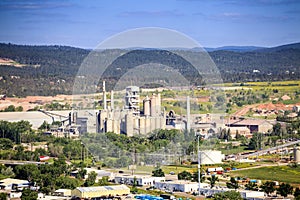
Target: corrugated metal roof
[246, 122]
[10, 181]
[102, 188]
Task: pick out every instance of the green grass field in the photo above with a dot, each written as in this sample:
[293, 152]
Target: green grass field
[287, 86]
[166, 169]
[278, 173]
[233, 150]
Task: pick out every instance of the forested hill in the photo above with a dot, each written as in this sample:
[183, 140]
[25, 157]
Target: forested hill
[53, 60]
[51, 70]
[270, 64]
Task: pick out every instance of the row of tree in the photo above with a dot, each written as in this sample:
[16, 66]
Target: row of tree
[284, 189]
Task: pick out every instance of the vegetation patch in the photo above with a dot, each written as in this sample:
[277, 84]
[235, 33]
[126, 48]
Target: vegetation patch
[278, 173]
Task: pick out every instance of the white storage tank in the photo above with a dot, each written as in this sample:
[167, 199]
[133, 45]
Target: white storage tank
[211, 157]
[297, 155]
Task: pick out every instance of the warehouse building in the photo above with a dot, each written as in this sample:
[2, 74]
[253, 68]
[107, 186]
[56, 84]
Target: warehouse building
[140, 180]
[99, 192]
[13, 184]
[254, 125]
[179, 186]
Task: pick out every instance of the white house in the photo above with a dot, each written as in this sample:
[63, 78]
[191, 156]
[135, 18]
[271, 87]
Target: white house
[140, 180]
[10, 183]
[181, 186]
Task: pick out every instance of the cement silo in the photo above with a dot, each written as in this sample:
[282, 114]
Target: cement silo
[158, 104]
[153, 106]
[146, 104]
[129, 124]
[297, 155]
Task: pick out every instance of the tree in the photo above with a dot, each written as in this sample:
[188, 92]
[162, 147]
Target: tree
[10, 108]
[134, 188]
[19, 109]
[47, 182]
[195, 177]
[3, 196]
[185, 175]
[66, 182]
[297, 192]
[56, 123]
[276, 129]
[256, 141]
[158, 173]
[251, 186]
[212, 180]
[122, 162]
[28, 194]
[103, 181]
[285, 189]
[81, 173]
[229, 195]
[91, 179]
[8, 172]
[233, 184]
[28, 172]
[60, 165]
[268, 187]
[44, 126]
[6, 144]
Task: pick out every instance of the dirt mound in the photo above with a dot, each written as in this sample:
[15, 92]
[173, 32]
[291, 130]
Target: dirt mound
[31, 102]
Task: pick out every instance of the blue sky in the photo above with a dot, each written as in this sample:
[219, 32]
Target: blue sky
[212, 23]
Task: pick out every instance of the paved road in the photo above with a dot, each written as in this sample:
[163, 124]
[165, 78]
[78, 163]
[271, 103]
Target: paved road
[20, 162]
[269, 149]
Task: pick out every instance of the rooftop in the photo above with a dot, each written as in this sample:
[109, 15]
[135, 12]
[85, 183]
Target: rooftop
[132, 176]
[10, 181]
[247, 122]
[102, 188]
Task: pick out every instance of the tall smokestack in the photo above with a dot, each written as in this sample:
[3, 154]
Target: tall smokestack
[188, 114]
[104, 97]
[112, 99]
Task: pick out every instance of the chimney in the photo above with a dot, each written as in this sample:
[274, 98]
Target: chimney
[188, 114]
[104, 97]
[112, 99]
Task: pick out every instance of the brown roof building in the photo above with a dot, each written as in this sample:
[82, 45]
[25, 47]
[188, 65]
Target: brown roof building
[244, 131]
[254, 125]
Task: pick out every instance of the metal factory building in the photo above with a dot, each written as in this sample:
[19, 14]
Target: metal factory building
[100, 191]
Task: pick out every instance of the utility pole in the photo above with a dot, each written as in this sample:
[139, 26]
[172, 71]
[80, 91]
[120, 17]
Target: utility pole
[199, 162]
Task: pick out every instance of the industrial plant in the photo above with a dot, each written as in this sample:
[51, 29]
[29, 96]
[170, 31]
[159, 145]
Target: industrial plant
[130, 120]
